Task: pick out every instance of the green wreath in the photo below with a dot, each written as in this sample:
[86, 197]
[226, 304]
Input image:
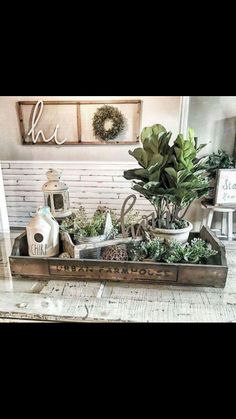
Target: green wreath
[101, 116]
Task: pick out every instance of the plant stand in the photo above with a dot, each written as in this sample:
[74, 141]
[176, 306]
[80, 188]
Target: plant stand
[226, 230]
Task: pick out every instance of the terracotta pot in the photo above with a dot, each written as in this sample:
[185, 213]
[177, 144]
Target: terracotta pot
[181, 235]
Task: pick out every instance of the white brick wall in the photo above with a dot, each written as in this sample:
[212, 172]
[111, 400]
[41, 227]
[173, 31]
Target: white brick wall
[90, 184]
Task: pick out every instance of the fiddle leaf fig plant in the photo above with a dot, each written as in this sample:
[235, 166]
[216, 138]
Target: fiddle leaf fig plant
[171, 177]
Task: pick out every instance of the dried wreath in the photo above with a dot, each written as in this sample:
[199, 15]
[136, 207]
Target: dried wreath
[104, 114]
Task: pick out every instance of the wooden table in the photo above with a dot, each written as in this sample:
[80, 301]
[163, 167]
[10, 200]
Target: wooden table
[73, 301]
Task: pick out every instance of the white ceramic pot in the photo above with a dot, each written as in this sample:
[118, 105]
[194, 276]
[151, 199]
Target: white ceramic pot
[181, 235]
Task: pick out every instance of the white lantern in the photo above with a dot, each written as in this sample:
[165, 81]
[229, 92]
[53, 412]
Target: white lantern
[56, 194]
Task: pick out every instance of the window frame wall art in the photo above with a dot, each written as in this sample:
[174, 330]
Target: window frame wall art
[74, 122]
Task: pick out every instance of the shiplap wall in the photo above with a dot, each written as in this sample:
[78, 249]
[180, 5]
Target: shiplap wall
[90, 184]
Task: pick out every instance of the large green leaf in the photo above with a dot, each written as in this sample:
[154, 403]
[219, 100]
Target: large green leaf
[158, 165]
[157, 129]
[140, 174]
[151, 146]
[190, 154]
[151, 185]
[157, 159]
[142, 191]
[140, 155]
[155, 175]
[164, 143]
[171, 172]
[188, 147]
[191, 135]
[146, 133]
[172, 160]
[183, 175]
[178, 153]
[180, 141]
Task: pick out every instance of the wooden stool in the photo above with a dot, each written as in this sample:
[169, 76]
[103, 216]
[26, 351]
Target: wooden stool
[227, 219]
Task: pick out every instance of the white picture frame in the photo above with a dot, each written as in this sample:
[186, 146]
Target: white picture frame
[225, 195]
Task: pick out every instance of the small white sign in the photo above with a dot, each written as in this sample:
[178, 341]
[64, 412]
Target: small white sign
[226, 187]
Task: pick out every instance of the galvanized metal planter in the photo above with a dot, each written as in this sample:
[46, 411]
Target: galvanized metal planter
[213, 274]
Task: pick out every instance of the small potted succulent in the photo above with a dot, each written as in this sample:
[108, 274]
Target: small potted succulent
[83, 230]
[171, 177]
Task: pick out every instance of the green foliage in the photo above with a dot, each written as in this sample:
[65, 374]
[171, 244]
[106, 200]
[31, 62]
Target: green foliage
[170, 177]
[78, 225]
[131, 218]
[75, 221]
[173, 225]
[219, 160]
[197, 251]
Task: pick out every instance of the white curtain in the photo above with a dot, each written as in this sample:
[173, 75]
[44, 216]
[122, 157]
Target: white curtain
[184, 113]
[4, 223]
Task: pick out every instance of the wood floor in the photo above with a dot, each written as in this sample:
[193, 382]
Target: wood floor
[72, 301]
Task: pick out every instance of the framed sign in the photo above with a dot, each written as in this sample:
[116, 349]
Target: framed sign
[226, 188]
[72, 122]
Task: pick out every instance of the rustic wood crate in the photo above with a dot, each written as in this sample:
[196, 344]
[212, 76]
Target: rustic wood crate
[78, 251]
[213, 274]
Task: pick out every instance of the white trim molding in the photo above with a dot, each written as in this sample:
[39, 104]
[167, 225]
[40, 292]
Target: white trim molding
[4, 223]
[184, 112]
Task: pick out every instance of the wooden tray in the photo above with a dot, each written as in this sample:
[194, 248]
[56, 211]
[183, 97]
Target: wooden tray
[213, 274]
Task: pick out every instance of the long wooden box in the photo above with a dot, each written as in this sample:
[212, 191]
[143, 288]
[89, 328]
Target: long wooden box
[213, 274]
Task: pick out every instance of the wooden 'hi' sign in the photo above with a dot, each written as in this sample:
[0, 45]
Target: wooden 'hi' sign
[226, 188]
[71, 122]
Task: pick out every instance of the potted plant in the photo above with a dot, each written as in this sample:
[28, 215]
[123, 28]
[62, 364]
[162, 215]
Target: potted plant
[216, 161]
[171, 177]
[83, 230]
[197, 251]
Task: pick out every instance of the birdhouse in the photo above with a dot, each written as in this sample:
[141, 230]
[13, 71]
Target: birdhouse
[43, 234]
[56, 194]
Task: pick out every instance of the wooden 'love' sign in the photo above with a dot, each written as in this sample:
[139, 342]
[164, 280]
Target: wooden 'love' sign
[226, 188]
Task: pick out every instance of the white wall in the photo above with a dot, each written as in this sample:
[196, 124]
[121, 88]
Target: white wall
[90, 184]
[214, 121]
[155, 109]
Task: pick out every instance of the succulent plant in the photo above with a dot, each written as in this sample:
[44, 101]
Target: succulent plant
[160, 250]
